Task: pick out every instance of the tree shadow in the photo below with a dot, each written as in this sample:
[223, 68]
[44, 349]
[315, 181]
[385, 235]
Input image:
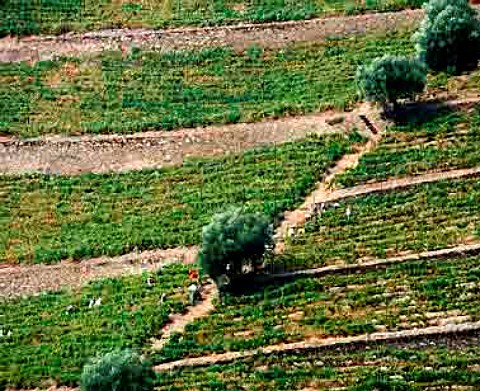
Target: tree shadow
[272, 276]
[417, 113]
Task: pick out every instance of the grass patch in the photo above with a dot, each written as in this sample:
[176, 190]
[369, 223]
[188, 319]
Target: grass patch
[423, 217]
[48, 218]
[400, 297]
[22, 17]
[162, 91]
[446, 141]
[47, 343]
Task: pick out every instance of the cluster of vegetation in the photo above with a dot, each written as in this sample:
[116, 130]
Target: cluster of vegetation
[411, 366]
[449, 36]
[49, 218]
[448, 39]
[389, 78]
[160, 91]
[120, 371]
[445, 141]
[234, 242]
[22, 17]
[52, 336]
[422, 217]
[399, 297]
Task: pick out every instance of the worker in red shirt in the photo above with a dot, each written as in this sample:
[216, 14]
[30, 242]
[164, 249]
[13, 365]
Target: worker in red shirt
[194, 287]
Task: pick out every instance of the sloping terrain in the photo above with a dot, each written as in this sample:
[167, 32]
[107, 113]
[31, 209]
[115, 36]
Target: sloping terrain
[376, 272]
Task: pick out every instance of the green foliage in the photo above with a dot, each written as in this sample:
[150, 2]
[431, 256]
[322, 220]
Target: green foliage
[49, 341]
[413, 219]
[449, 140]
[22, 17]
[118, 371]
[324, 368]
[390, 78]
[449, 36]
[233, 238]
[91, 215]
[167, 90]
[381, 382]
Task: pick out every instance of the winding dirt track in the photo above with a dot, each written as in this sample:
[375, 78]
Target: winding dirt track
[24, 280]
[267, 35]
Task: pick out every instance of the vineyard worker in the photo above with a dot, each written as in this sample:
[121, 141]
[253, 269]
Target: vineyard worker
[192, 293]
[194, 288]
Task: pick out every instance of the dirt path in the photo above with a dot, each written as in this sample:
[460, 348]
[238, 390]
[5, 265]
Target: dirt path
[362, 265]
[113, 153]
[18, 281]
[268, 35]
[324, 193]
[392, 184]
[25, 280]
[292, 220]
[328, 343]
[180, 321]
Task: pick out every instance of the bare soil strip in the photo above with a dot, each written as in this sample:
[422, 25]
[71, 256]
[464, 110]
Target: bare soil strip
[329, 343]
[298, 217]
[463, 250]
[393, 184]
[267, 35]
[19, 281]
[324, 194]
[114, 153]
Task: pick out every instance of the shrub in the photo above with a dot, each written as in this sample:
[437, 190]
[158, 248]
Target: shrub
[390, 78]
[118, 371]
[449, 36]
[233, 239]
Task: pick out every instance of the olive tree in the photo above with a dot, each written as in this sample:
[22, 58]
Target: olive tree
[233, 240]
[449, 36]
[389, 78]
[118, 371]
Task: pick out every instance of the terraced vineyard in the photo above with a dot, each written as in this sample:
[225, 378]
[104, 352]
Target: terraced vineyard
[445, 141]
[161, 91]
[404, 296]
[54, 334]
[54, 16]
[369, 319]
[423, 217]
[443, 364]
[46, 218]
